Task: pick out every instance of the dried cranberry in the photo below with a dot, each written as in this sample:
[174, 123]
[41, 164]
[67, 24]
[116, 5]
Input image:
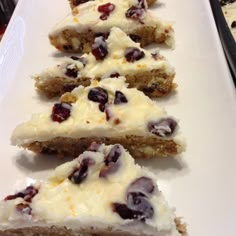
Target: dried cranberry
[124, 212]
[142, 185]
[71, 71]
[69, 87]
[111, 162]
[99, 48]
[99, 95]
[61, 112]
[78, 2]
[27, 194]
[133, 54]
[120, 98]
[24, 208]
[135, 13]
[102, 107]
[162, 128]
[80, 174]
[113, 155]
[136, 38]
[83, 60]
[114, 75]
[106, 9]
[139, 203]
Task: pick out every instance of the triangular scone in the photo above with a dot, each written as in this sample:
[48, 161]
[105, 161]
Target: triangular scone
[102, 191]
[77, 31]
[107, 111]
[75, 3]
[114, 56]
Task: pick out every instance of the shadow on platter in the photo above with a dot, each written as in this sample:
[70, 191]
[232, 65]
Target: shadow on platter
[167, 167]
[29, 162]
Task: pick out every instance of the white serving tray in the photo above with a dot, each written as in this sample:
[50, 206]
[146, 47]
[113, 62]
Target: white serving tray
[201, 183]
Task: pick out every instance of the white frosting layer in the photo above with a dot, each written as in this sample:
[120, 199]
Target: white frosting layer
[86, 120]
[87, 17]
[115, 61]
[230, 16]
[61, 202]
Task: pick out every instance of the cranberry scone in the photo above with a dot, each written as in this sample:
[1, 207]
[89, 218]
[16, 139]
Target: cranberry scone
[101, 192]
[77, 31]
[113, 56]
[75, 3]
[107, 112]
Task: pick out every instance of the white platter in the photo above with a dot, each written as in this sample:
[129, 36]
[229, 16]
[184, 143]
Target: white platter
[202, 182]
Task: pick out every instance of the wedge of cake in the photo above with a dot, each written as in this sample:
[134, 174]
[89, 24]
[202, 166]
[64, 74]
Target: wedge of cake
[117, 55]
[101, 192]
[75, 3]
[108, 112]
[77, 31]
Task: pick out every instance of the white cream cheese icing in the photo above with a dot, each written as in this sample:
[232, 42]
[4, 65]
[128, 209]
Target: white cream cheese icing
[60, 202]
[115, 61]
[86, 120]
[87, 17]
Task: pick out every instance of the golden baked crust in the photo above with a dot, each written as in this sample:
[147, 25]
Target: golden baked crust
[139, 147]
[71, 41]
[63, 231]
[152, 83]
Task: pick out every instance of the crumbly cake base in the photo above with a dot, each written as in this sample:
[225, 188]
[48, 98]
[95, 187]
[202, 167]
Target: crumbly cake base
[152, 83]
[63, 231]
[139, 147]
[73, 3]
[70, 41]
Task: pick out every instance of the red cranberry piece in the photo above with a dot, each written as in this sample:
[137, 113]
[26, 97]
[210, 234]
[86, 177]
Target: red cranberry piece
[143, 185]
[114, 75]
[24, 208]
[71, 71]
[124, 212]
[80, 174]
[27, 194]
[99, 95]
[133, 54]
[139, 203]
[135, 38]
[61, 112]
[113, 155]
[135, 13]
[120, 98]
[83, 60]
[68, 87]
[106, 9]
[78, 2]
[111, 162]
[99, 48]
[162, 128]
